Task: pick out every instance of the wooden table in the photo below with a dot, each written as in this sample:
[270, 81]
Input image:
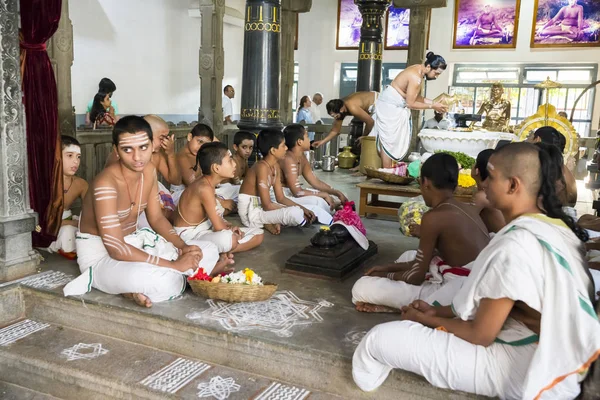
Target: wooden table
[376, 187]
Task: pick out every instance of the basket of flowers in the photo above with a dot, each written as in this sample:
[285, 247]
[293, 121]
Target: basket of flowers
[466, 184]
[241, 286]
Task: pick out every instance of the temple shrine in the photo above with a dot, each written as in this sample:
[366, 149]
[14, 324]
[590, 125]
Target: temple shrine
[349, 265]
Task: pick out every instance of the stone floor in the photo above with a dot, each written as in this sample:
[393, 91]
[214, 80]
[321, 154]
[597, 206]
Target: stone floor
[306, 316]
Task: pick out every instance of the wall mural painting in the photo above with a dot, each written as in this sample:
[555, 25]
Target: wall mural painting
[349, 23]
[566, 23]
[485, 23]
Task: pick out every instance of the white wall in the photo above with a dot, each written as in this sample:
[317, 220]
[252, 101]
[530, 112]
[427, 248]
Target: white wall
[148, 48]
[319, 62]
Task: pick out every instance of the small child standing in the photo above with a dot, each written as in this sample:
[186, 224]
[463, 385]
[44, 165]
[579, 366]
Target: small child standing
[198, 203]
[255, 207]
[243, 145]
[73, 188]
[294, 165]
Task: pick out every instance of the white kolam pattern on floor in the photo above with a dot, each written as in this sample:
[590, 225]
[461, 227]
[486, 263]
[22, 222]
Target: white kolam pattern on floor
[19, 330]
[218, 388]
[278, 391]
[279, 314]
[84, 351]
[48, 280]
[174, 376]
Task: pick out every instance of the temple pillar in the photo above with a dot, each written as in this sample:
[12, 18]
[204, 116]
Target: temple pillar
[17, 220]
[211, 65]
[370, 54]
[60, 51]
[289, 24]
[262, 65]
[420, 18]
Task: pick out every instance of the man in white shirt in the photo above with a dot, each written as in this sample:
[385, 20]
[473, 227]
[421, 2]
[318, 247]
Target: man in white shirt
[314, 108]
[228, 94]
[437, 122]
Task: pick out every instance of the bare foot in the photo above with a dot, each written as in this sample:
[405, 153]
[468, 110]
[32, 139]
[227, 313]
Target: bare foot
[354, 169]
[274, 229]
[374, 308]
[223, 265]
[140, 299]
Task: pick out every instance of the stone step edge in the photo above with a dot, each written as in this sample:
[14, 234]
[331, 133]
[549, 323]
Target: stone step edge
[68, 382]
[27, 391]
[321, 371]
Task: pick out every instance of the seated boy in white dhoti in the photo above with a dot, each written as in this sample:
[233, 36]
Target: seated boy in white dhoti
[115, 256]
[74, 187]
[452, 235]
[491, 217]
[243, 145]
[199, 203]
[321, 198]
[393, 123]
[186, 159]
[163, 159]
[523, 324]
[255, 207]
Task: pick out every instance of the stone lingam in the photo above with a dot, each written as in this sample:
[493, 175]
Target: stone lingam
[332, 254]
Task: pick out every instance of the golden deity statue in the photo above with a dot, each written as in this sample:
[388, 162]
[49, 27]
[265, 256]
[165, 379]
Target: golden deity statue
[496, 110]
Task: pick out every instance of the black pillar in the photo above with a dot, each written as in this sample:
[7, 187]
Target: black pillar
[370, 52]
[261, 72]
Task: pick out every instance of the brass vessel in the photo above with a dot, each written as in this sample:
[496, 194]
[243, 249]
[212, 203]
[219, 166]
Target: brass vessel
[346, 159]
[369, 156]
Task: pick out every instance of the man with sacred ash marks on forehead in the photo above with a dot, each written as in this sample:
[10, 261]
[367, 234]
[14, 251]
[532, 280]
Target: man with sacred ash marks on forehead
[115, 255]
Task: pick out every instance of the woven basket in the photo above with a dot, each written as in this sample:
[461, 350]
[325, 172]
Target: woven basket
[233, 292]
[389, 178]
[462, 191]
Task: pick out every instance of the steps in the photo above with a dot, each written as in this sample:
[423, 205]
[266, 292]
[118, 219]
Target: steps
[162, 337]
[73, 364]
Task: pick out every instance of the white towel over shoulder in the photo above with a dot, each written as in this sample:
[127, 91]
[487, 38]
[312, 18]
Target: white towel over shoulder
[539, 261]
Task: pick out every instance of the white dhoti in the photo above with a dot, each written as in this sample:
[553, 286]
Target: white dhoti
[100, 271]
[315, 204]
[228, 191]
[393, 126]
[65, 240]
[443, 359]
[222, 239]
[176, 191]
[252, 214]
[397, 294]
[535, 260]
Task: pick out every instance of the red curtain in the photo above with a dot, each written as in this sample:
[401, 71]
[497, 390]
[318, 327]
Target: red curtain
[39, 21]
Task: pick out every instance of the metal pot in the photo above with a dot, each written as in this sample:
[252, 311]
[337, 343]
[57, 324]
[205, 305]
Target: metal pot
[328, 163]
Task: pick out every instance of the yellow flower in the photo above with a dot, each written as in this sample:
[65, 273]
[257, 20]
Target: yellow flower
[324, 228]
[465, 181]
[249, 274]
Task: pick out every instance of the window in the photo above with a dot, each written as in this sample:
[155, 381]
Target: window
[349, 74]
[472, 83]
[295, 87]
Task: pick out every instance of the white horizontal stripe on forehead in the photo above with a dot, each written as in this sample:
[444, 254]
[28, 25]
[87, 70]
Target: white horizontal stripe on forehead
[72, 148]
[141, 142]
[135, 139]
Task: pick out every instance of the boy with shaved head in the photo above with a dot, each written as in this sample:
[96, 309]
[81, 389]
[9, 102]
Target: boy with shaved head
[523, 323]
[114, 255]
[452, 234]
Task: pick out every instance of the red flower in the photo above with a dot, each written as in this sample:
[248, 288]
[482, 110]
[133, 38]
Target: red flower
[200, 275]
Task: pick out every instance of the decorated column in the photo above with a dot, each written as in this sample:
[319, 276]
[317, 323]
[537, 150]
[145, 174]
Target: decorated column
[60, 51]
[289, 26]
[17, 220]
[262, 66]
[211, 65]
[370, 52]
